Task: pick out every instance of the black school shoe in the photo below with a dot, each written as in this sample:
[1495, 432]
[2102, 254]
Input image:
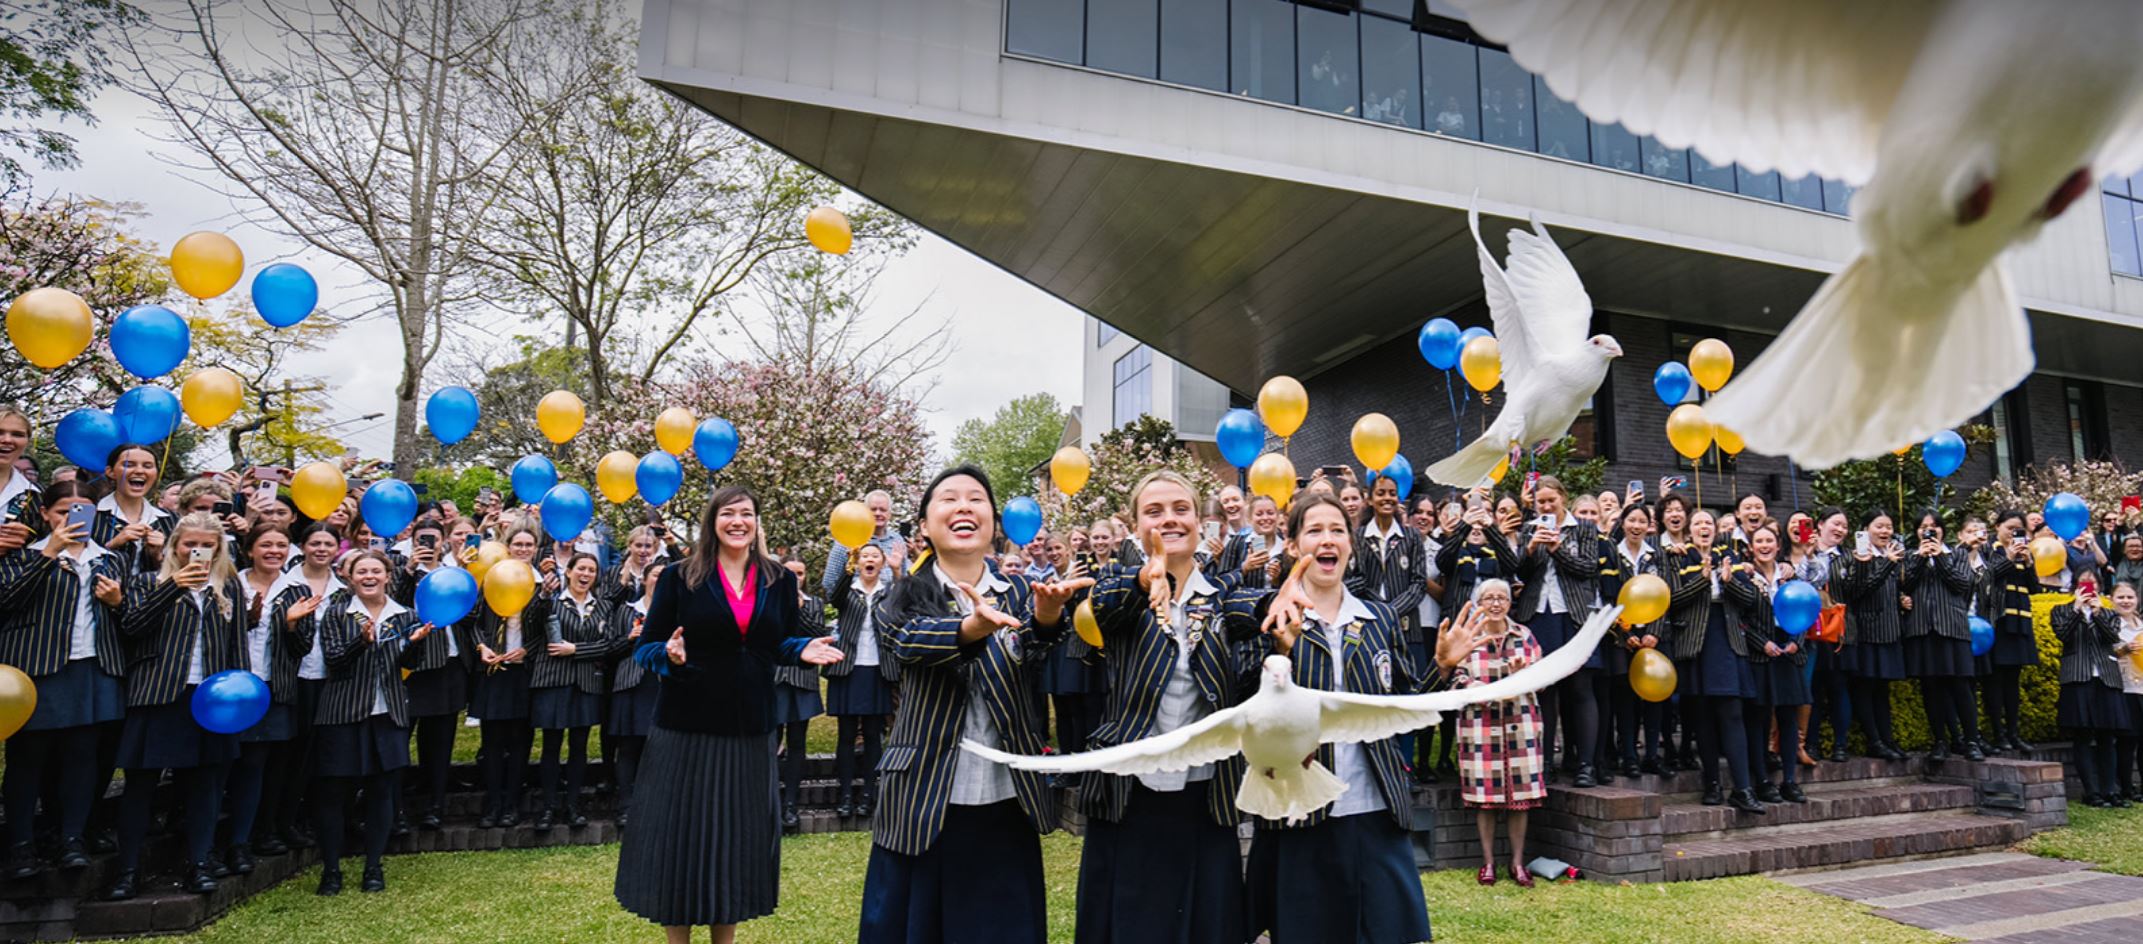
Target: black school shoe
[330, 883]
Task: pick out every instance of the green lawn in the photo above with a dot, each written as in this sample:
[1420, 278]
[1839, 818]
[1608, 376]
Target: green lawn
[2111, 838]
[818, 740]
[564, 895]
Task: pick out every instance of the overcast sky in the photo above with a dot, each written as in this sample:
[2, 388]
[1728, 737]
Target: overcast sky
[1012, 339]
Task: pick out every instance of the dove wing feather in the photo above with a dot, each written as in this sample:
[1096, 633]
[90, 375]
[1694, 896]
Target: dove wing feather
[1558, 313]
[1216, 737]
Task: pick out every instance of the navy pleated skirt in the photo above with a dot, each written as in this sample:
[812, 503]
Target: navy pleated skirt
[375, 745]
[2090, 706]
[563, 706]
[632, 711]
[1883, 661]
[2014, 644]
[1716, 672]
[1555, 629]
[1166, 874]
[1781, 683]
[501, 695]
[705, 842]
[160, 736]
[440, 691]
[862, 692]
[1349, 878]
[78, 694]
[979, 883]
[792, 704]
[278, 725]
[1933, 656]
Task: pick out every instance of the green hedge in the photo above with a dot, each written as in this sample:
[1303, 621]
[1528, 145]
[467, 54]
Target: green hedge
[2042, 687]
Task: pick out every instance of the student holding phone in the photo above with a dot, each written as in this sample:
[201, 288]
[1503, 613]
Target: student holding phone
[2092, 708]
[128, 523]
[1873, 655]
[2007, 586]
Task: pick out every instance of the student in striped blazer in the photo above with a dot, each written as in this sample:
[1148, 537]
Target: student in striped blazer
[1775, 659]
[183, 623]
[1560, 567]
[859, 688]
[1391, 566]
[438, 682]
[567, 687]
[19, 507]
[955, 852]
[2006, 586]
[59, 602]
[1247, 557]
[362, 722]
[270, 655]
[1874, 655]
[128, 521]
[633, 690]
[1716, 681]
[502, 700]
[2092, 708]
[628, 580]
[797, 700]
[1634, 718]
[292, 602]
[1937, 584]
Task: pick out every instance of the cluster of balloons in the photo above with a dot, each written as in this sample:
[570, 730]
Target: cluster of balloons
[1689, 431]
[1474, 351]
[620, 476]
[2067, 516]
[1644, 599]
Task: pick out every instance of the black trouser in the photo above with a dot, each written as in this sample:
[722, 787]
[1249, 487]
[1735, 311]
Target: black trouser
[576, 766]
[1834, 703]
[1950, 712]
[1789, 733]
[792, 763]
[247, 791]
[332, 794]
[2095, 765]
[1572, 700]
[626, 766]
[844, 753]
[2126, 747]
[1871, 698]
[202, 789]
[505, 763]
[435, 751]
[59, 754]
[2004, 698]
[1073, 723]
[1720, 732]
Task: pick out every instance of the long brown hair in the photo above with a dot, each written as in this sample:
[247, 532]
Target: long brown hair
[708, 548]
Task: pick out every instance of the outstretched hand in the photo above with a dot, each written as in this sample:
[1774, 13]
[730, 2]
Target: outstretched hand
[1457, 638]
[1050, 598]
[985, 619]
[821, 651]
[1283, 619]
[676, 647]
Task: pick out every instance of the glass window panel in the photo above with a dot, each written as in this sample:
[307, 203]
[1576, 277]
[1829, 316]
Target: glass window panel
[1506, 101]
[1046, 28]
[1563, 129]
[2117, 185]
[1803, 191]
[2121, 235]
[1999, 419]
[1838, 196]
[1663, 161]
[1327, 76]
[1615, 146]
[1391, 72]
[1133, 391]
[1751, 184]
[1704, 173]
[1104, 332]
[2076, 443]
[1123, 36]
[1403, 9]
[1194, 43]
[2135, 185]
[1451, 87]
[1261, 49]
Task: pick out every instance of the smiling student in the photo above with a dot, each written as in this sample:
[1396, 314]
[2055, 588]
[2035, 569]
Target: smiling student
[127, 521]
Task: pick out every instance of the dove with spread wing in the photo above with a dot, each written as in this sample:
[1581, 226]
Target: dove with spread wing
[1971, 122]
[1550, 368]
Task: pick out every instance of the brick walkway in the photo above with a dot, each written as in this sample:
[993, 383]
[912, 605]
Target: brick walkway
[2005, 897]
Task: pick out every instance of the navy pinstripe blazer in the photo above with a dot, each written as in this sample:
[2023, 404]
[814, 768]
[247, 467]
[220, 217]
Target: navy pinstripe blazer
[853, 606]
[160, 624]
[1397, 576]
[1689, 602]
[1750, 619]
[356, 670]
[37, 610]
[2087, 642]
[1577, 569]
[1465, 564]
[137, 556]
[1869, 590]
[629, 673]
[591, 640]
[1941, 591]
[289, 641]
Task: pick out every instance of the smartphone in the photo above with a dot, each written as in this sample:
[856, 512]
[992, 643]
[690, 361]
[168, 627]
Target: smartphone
[1209, 530]
[1861, 543]
[2131, 503]
[1531, 479]
[1335, 472]
[82, 517]
[427, 540]
[473, 541]
[222, 509]
[1476, 501]
[1805, 532]
[1636, 490]
[274, 474]
[377, 543]
[201, 555]
[1257, 542]
[1677, 483]
[659, 530]
[1927, 534]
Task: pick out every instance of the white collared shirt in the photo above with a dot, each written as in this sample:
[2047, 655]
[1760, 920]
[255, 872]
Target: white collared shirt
[2131, 675]
[82, 559]
[1181, 702]
[195, 663]
[379, 635]
[1633, 561]
[1551, 584]
[867, 634]
[1350, 762]
[1431, 609]
[975, 781]
[150, 514]
[257, 634]
[312, 665]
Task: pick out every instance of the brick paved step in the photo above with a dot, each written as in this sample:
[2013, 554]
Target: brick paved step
[1689, 821]
[1839, 843]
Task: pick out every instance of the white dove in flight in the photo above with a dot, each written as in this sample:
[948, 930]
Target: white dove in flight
[1541, 314]
[1971, 122]
[1278, 729]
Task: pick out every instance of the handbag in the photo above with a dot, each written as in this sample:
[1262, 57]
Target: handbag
[1830, 625]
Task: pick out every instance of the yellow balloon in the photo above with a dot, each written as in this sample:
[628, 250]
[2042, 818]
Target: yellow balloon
[18, 700]
[1728, 440]
[674, 429]
[1070, 468]
[615, 476]
[2049, 556]
[1083, 622]
[206, 264]
[1711, 362]
[318, 489]
[1376, 441]
[50, 326]
[1644, 599]
[827, 228]
[1652, 675]
[1502, 469]
[509, 585]
[560, 415]
[487, 555]
[1273, 477]
[852, 524]
[1689, 431]
[211, 396]
[1283, 404]
[1482, 363]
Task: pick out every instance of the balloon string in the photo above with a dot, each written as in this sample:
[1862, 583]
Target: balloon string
[1793, 484]
[1458, 435]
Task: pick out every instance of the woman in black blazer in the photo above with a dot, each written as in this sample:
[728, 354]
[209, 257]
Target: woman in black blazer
[362, 723]
[567, 687]
[705, 847]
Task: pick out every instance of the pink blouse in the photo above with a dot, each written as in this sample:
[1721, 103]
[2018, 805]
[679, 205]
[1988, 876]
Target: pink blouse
[741, 604]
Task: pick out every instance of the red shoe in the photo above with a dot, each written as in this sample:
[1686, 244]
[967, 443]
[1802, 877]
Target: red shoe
[1487, 875]
[1521, 876]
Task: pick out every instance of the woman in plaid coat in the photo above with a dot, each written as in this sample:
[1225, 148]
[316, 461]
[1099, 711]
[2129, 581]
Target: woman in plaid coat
[1501, 764]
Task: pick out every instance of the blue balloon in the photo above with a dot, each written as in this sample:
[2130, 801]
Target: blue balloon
[1241, 436]
[87, 437]
[1943, 452]
[1466, 337]
[146, 415]
[1401, 473]
[284, 294]
[451, 413]
[231, 701]
[388, 507]
[1796, 605]
[566, 511]
[446, 595]
[150, 340]
[1022, 520]
[533, 477]
[1671, 381]
[715, 443]
[1439, 343]
[1982, 636]
[659, 477]
[2067, 515]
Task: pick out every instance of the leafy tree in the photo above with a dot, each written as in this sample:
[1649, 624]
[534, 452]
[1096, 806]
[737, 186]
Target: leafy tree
[1008, 445]
[1120, 458]
[459, 485]
[282, 416]
[52, 62]
[2101, 485]
[506, 397]
[1897, 483]
[1579, 476]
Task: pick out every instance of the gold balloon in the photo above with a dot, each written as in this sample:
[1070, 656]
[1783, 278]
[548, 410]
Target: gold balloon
[1273, 477]
[1376, 441]
[2049, 556]
[18, 700]
[206, 264]
[50, 326]
[616, 476]
[560, 415]
[1283, 405]
[318, 489]
[211, 396]
[1070, 468]
[827, 228]
[1652, 675]
[852, 524]
[487, 555]
[1728, 440]
[1481, 362]
[1088, 628]
[1689, 430]
[1711, 362]
[1644, 599]
[674, 429]
[508, 586]
[1502, 469]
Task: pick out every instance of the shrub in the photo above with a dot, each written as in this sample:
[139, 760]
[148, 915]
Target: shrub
[2100, 484]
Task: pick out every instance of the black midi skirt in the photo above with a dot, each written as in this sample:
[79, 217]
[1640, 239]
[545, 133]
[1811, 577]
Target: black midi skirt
[705, 842]
[375, 745]
[1781, 683]
[1933, 656]
[1716, 672]
[1349, 878]
[501, 695]
[564, 706]
[166, 736]
[980, 881]
[2091, 706]
[76, 695]
[632, 711]
[2014, 644]
[1166, 874]
[862, 692]
[278, 725]
[440, 691]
